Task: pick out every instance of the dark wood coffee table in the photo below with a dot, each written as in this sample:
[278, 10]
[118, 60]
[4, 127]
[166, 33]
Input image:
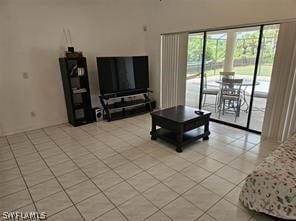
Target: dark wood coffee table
[180, 125]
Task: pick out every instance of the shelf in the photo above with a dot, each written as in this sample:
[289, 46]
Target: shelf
[129, 112]
[80, 106]
[76, 76]
[79, 91]
[188, 137]
[118, 105]
[81, 121]
[126, 107]
[122, 94]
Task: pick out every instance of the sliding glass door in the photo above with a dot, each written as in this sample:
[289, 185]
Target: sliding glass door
[231, 54]
[243, 56]
[267, 53]
[194, 69]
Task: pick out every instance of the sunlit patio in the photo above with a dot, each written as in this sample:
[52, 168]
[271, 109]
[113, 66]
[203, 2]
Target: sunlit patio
[209, 103]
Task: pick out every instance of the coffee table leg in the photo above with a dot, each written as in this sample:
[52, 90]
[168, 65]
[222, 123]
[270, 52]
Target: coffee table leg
[179, 149]
[153, 130]
[179, 140]
[206, 131]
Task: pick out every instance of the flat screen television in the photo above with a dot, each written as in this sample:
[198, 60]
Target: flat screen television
[121, 76]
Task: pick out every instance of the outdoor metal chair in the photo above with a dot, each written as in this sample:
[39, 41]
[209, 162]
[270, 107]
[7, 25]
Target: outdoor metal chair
[227, 74]
[209, 91]
[231, 95]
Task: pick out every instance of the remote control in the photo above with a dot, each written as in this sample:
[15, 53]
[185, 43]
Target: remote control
[199, 112]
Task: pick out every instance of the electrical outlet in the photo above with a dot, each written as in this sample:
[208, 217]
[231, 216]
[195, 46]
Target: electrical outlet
[25, 75]
[33, 114]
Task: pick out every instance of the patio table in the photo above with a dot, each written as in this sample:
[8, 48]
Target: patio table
[246, 83]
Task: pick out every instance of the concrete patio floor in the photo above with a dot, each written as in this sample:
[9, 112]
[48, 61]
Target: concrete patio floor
[257, 114]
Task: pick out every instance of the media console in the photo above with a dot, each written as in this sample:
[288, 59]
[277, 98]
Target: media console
[118, 107]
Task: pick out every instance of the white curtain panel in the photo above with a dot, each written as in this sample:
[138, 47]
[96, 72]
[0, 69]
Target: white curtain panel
[173, 69]
[280, 116]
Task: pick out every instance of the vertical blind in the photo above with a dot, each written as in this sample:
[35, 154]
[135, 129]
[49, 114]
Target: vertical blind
[173, 69]
[280, 116]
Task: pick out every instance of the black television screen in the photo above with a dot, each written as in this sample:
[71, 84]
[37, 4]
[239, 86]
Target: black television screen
[123, 75]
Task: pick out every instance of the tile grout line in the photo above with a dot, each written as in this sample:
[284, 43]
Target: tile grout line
[125, 180]
[58, 183]
[190, 163]
[161, 181]
[179, 195]
[235, 185]
[162, 162]
[213, 173]
[27, 187]
[156, 213]
[145, 170]
[89, 180]
[222, 198]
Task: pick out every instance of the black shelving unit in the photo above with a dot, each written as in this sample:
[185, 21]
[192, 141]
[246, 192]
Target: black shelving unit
[76, 90]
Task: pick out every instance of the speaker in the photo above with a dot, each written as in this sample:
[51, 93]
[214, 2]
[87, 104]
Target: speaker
[99, 114]
[71, 49]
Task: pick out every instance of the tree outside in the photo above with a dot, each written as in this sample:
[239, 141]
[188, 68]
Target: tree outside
[244, 54]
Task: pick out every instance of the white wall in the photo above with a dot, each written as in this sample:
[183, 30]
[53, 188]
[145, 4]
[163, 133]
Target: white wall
[4, 47]
[34, 41]
[186, 15]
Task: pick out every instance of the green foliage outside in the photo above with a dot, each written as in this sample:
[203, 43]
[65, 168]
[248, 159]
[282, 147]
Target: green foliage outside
[264, 70]
[245, 52]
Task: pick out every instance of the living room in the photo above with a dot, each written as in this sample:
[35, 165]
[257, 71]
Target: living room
[43, 158]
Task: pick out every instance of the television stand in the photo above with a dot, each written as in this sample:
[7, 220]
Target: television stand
[119, 107]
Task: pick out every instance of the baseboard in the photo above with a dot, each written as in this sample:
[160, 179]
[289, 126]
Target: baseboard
[33, 127]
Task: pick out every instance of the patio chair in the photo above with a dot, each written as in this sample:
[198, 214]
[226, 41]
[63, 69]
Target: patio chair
[261, 95]
[209, 91]
[227, 74]
[231, 93]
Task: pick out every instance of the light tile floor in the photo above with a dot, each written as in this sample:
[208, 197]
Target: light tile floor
[113, 171]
